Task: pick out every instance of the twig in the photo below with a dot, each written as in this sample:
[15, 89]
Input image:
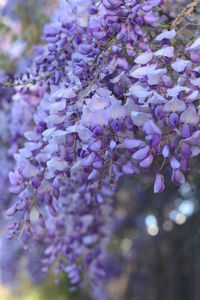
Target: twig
[26, 83]
[99, 71]
[186, 12]
[75, 147]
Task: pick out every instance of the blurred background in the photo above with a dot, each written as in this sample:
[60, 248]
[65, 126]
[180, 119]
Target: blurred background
[155, 252]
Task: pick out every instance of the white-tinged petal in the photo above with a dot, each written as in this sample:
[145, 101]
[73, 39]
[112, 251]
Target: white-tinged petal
[173, 92]
[57, 106]
[190, 116]
[174, 105]
[144, 58]
[137, 90]
[165, 51]
[166, 35]
[57, 163]
[139, 118]
[156, 99]
[195, 45]
[180, 64]
[84, 134]
[63, 93]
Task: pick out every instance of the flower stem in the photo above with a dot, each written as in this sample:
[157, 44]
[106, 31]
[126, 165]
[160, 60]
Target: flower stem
[99, 71]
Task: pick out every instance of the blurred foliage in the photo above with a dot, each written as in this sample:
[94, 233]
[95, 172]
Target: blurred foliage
[30, 16]
[6, 63]
[47, 290]
[4, 28]
[32, 21]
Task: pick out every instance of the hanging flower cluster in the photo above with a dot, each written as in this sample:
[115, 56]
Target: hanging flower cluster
[5, 160]
[113, 104]
[15, 119]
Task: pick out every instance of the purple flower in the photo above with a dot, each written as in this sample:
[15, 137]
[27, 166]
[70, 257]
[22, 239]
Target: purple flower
[88, 160]
[178, 177]
[190, 116]
[185, 131]
[151, 128]
[146, 163]
[159, 184]
[144, 58]
[165, 51]
[129, 169]
[133, 143]
[108, 102]
[96, 146]
[141, 154]
[180, 65]
[168, 35]
[174, 163]
[165, 151]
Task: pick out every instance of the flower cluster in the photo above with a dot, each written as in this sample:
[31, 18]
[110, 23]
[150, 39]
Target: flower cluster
[5, 159]
[113, 104]
[14, 121]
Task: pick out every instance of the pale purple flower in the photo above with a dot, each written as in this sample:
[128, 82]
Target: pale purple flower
[137, 90]
[144, 58]
[165, 51]
[175, 106]
[133, 143]
[165, 151]
[141, 153]
[129, 169]
[151, 128]
[93, 175]
[140, 118]
[174, 92]
[166, 35]
[190, 116]
[146, 163]
[180, 65]
[95, 146]
[159, 184]
[178, 177]
[194, 46]
[154, 75]
[174, 163]
[88, 160]
[112, 144]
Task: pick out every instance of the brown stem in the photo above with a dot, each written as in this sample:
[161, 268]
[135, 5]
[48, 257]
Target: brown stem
[190, 8]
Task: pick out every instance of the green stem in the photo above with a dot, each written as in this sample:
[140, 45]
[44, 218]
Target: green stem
[99, 71]
[33, 82]
[75, 147]
[111, 165]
